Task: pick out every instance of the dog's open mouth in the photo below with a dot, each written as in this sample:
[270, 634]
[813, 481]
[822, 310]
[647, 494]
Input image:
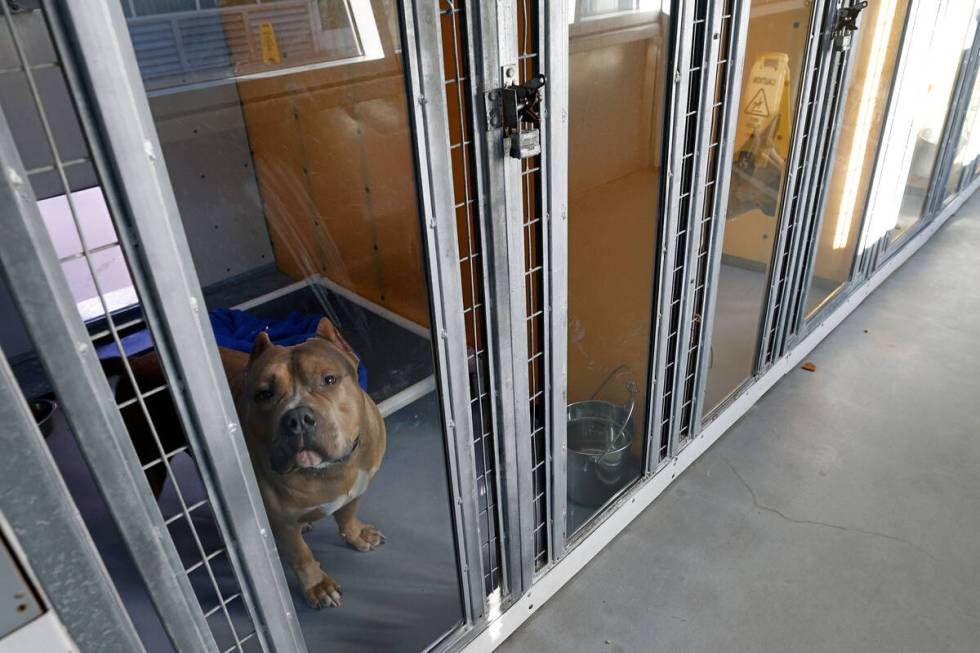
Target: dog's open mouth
[309, 459]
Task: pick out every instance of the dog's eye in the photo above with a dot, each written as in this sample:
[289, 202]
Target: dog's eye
[263, 395]
[329, 379]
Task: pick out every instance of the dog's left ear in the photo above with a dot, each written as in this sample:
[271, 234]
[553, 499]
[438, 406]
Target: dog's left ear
[326, 330]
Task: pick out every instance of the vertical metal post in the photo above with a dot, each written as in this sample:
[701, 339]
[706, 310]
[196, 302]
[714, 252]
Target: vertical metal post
[36, 504]
[682, 13]
[101, 69]
[433, 167]
[501, 207]
[692, 221]
[500, 348]
[38, 286]
[554, 55]
[740, 34]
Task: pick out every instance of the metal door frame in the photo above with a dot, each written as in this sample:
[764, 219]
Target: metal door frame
[555, 57]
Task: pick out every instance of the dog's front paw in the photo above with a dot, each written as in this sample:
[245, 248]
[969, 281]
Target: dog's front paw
[324, 594]
[363, 537]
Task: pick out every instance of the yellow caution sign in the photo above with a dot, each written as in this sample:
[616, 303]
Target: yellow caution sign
[762, 137]
[270, 45]
[766, 94]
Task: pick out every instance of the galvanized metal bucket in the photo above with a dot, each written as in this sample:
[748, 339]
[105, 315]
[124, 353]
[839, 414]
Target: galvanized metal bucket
[599, 437]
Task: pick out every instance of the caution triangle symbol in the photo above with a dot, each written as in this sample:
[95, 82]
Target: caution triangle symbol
[758, 105]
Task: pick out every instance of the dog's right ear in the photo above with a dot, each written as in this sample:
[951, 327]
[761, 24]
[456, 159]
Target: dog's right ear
[261, 343]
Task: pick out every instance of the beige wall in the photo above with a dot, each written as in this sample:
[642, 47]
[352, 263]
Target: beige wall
[332, 154]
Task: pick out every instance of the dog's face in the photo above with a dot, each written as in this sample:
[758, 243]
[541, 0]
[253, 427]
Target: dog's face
[303, 405]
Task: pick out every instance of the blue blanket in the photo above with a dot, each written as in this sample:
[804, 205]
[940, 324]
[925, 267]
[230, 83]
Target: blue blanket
[235, 329]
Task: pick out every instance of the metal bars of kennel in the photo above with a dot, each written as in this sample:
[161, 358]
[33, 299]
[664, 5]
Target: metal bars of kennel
[726, 94]
[794, 190]
[38, 286]
[33, 274]
[493, 32]
[50, 530]
[835, 70]
[465, 153]
[428, 111]
[677, 181]
[115, 114]
[710, 53]
[537, 270]
[554, 65]
[685, 163]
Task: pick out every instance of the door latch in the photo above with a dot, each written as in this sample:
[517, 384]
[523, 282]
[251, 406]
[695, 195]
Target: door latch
[846, 25]
[516, 108]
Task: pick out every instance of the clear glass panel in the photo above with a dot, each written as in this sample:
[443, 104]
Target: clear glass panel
[968, 146]
[773, 67]
[616, 96]
[874, 57]
[936, 79]
[286, 133]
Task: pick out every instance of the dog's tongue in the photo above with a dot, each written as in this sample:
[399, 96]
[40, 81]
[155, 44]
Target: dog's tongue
[308, 458]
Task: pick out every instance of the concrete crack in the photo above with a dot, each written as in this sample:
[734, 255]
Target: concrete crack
[838, 527]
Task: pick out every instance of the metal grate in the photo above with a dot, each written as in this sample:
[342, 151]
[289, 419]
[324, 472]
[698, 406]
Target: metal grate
[792, 214]
[706, 219]
[812, 222]
[689, 162]
[535, 265]
[143, 398]
[474, 275]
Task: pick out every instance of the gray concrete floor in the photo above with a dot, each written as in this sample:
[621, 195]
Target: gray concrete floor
[842, 513]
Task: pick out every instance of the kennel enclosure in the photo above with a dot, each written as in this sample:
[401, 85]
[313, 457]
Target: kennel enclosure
[520, 214]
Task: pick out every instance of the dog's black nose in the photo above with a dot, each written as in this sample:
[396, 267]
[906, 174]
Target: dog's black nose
[298, 421]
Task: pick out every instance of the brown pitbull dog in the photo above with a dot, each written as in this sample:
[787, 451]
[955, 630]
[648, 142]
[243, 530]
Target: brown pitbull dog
[316, 440]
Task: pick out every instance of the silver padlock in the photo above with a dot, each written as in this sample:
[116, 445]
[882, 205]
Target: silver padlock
[525, 144]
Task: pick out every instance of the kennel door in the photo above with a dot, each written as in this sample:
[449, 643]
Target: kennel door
[856, 102]
[779, 57]
[278, 178]
[291, 136]
[617, 88]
